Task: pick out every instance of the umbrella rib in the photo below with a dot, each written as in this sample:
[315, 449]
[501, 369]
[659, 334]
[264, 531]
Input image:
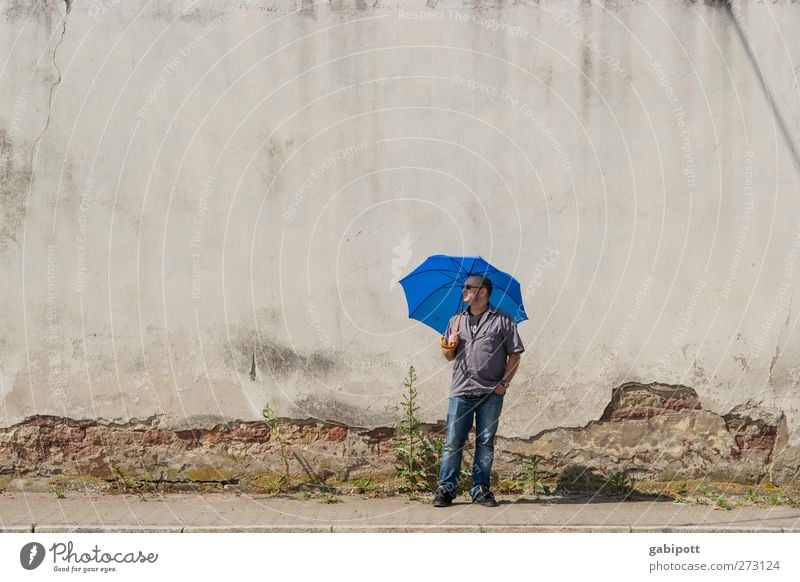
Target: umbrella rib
[489, 268]
[458, 268]
[428, 297]
[459, 265]
[437, 270]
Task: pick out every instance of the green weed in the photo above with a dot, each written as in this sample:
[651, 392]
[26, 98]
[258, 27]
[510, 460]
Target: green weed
[533, 476]
[417, 455]
[723, 503]
[619, 483]
[365, 487]
[276, 432]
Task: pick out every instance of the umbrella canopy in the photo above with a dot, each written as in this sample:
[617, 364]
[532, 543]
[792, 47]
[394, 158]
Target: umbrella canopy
[433, 290]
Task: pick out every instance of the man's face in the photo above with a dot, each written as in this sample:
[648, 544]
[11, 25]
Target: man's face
[472, 289]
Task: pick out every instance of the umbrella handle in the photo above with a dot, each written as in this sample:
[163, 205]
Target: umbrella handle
[442, 341]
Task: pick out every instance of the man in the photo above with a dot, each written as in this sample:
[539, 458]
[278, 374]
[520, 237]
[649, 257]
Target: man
[485, 346]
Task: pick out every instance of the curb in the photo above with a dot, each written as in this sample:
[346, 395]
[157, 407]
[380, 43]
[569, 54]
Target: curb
[448, 529]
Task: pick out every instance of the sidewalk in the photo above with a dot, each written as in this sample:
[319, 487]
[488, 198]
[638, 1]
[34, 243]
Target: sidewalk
[44, 513]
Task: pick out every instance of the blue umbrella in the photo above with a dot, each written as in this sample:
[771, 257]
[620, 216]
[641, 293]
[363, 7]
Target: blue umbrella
[433, 290]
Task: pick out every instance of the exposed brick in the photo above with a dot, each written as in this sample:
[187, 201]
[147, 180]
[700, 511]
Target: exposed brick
[250, 433]
[378, 434]
[336, 434]
[157, 436]
[642, 401]
[192, 438]
[653, 440]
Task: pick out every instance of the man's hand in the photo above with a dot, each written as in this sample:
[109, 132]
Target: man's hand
[511, 368]
[450, 354]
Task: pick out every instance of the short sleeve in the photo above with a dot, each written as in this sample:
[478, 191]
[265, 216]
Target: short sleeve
[513, 341]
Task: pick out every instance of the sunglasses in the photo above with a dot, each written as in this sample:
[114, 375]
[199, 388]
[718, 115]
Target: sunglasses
[468, 287]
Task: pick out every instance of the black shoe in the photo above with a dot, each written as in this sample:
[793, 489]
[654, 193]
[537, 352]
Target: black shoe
[485, 498]
[442, 499]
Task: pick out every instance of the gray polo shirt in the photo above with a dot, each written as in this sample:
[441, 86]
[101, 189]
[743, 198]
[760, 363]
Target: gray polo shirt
[481, 357]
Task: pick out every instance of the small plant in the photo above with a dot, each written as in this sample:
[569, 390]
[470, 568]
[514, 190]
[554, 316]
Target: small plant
[126, 484]
[436, 448]
[723, 503]
[59, 493]
[619, 483]
[751, 496]
[365, 487]
[330, 498]
[276, 432]
[533, 476]
[683, 488]
[417, 455]
[774, 499]
[708, 492]
[276, 484]
[122, 481]
[464, 479]
[512, 486]
[303, 495]
[680, 499]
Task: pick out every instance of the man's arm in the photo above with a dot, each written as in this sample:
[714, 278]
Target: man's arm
[452, 338]
[511, 368]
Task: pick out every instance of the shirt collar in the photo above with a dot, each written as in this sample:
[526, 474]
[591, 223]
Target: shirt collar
[489, 309]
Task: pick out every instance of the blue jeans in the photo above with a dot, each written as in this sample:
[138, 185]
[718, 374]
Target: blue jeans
[460, 412]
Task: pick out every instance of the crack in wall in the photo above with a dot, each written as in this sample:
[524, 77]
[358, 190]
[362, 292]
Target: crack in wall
[53, 86]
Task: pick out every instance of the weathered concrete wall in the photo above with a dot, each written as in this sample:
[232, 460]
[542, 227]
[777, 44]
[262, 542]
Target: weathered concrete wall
[207, 206]
[650, 432]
